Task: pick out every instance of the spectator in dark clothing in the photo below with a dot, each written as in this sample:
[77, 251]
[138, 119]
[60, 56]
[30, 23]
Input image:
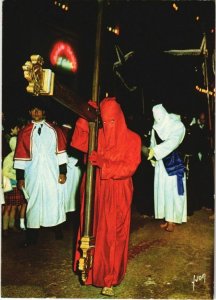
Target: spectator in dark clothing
[143, 179]
[186, 152]
[202, 164]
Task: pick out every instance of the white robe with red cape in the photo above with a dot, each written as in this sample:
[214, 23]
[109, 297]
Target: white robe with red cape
[46, 196]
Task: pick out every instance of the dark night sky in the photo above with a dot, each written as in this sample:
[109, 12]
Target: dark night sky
[146, 27]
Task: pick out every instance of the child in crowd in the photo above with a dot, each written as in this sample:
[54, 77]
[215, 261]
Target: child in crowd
[14, 199]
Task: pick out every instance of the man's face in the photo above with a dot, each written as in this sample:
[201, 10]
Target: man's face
[36, 114]
[202, 119]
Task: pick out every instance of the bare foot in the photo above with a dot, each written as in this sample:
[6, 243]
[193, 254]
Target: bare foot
[164, 225]
[170, 227]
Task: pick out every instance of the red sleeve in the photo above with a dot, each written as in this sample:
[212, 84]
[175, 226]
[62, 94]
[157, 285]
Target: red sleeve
[80, 136]
[120, 169]
[23, 147]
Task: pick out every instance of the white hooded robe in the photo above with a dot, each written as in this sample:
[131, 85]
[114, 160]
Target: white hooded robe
[168, 204]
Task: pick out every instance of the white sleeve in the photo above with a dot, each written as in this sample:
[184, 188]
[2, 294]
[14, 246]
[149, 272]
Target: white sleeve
[62, 158]
[21, 164]
[171, 143]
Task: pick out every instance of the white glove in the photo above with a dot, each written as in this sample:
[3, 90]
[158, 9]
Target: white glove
[153, 162]
[151, 154]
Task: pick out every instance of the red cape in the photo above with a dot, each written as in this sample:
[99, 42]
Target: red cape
[24, 141]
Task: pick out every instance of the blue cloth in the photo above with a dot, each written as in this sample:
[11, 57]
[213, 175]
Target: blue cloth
[13, 182]
[174, 166]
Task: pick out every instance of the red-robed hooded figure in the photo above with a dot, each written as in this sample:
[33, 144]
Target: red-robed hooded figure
[117, 158]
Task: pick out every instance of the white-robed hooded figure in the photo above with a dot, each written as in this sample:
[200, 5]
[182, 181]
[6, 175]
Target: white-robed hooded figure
[169, 180]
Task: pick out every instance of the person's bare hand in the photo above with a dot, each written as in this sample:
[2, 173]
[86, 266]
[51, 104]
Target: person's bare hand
[21, 184]
[62, 178]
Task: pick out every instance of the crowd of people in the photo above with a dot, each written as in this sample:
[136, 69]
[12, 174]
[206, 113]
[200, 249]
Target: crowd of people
[41, 179]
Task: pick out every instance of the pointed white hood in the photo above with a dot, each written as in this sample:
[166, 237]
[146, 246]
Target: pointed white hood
[164, 122]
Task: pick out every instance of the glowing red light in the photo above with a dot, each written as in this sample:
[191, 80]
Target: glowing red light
[62, 49]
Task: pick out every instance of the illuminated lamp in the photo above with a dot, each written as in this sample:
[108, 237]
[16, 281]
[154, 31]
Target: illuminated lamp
[175, 6]
[64, 63]
[205, 91]
[116, 30]
[63, 55]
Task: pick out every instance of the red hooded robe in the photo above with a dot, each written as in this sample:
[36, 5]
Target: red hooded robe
[120, 149]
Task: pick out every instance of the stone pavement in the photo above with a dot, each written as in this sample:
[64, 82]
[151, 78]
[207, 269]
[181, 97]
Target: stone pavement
[161, 265]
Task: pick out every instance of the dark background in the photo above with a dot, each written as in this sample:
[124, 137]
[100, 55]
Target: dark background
[146, 27]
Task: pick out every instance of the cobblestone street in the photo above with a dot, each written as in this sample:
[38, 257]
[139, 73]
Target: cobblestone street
[161, 265]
